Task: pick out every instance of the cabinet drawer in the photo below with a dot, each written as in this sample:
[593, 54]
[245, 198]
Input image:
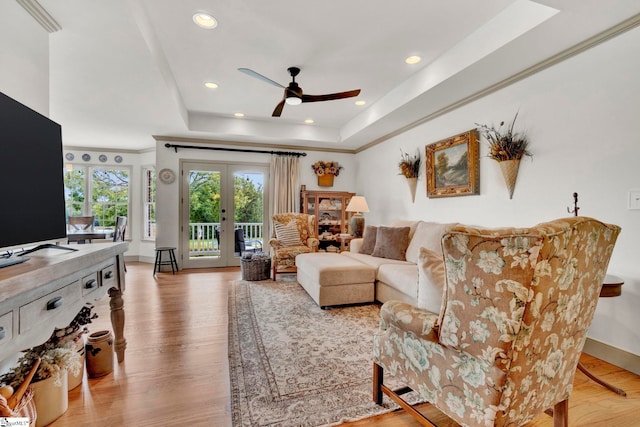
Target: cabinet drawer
[6, 328]
[89, 284]
[45, 308]
[108, 276]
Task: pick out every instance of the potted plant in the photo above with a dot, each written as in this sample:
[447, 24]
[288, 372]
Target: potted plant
[410, 169]
[507, 148]
[55, 359]
[325, 171]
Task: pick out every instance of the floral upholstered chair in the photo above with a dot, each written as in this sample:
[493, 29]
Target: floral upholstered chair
[293, 234]
[515, 313]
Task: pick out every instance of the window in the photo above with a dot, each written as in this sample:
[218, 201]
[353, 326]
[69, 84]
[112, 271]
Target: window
[149, 192]
[99, 191]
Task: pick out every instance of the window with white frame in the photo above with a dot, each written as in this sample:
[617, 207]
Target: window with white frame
[99, 191]
[149, 208]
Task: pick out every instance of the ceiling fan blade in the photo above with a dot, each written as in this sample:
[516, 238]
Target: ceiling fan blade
[252, 73]
[330, 96]
[278, 110]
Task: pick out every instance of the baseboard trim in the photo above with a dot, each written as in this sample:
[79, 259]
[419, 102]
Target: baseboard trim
[613, 355]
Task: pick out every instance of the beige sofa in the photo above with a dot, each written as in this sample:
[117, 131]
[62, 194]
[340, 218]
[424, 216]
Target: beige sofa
[419, 278]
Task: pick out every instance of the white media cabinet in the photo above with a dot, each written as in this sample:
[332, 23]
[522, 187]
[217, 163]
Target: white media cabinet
[49, 289]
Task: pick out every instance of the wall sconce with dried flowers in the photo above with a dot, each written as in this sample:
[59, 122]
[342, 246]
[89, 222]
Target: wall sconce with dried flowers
[325, 171]
[507, 148]
[410, 169]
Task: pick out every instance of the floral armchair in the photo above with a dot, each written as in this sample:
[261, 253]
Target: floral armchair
[283, 254]
[516, 309]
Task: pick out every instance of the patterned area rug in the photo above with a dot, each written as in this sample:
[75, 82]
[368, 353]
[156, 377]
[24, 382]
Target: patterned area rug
[294, 364]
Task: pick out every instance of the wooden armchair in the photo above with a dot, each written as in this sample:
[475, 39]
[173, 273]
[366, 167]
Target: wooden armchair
[284, 251]
[517, 306]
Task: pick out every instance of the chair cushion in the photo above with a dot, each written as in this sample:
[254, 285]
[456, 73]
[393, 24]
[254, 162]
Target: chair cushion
[392, 242]
[288, 234]
[427, 235]
[431, 281]
[369, 240]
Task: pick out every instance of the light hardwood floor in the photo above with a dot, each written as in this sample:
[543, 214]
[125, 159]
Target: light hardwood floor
[176, 371]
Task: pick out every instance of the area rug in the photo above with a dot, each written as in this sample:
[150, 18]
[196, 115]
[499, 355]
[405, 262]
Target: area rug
[294, 364]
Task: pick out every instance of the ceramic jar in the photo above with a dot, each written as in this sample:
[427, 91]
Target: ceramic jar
[99, 354]
[75, 380]
[51, 400]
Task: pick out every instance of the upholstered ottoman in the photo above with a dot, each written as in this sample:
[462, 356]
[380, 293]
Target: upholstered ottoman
[332, 279]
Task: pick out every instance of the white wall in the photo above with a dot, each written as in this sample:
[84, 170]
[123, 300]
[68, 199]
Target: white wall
[24, 58]
[581, 117]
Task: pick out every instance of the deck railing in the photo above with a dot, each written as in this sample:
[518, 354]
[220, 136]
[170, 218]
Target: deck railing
[204, 237]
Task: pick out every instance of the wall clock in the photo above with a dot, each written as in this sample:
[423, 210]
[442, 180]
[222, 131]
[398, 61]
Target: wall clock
[167, 176]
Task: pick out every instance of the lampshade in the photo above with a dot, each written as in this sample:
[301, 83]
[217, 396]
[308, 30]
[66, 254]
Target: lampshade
[357, 204]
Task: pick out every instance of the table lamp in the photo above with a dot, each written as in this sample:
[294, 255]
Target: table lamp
[357, 204]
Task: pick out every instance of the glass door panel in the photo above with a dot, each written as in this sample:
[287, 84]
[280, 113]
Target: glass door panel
[223, 213]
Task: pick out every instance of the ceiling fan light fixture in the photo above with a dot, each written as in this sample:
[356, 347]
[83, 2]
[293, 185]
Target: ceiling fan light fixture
[204, 20]
[293, 100]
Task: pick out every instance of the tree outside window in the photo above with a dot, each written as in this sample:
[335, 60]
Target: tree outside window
[98, 191]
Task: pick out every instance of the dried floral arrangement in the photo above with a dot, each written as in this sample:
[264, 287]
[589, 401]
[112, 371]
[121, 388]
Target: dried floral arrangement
[504, 143]
[57, 355]
[326, 168]
[409, 165]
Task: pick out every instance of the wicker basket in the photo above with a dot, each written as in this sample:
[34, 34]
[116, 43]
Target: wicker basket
[26, 408]
[256, 269]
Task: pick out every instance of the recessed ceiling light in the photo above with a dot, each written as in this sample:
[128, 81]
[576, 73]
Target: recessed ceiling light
[211, 85]
[308, 121]
[238, 114]
[204, 20]
[359, 103]
[413, 60]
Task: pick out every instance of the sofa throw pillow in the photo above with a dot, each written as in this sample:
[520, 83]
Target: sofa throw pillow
[391, 243]
[369, 239]
[288, 234]
[431, 281]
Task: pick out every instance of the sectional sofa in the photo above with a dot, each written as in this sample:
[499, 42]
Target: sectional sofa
[402, 261]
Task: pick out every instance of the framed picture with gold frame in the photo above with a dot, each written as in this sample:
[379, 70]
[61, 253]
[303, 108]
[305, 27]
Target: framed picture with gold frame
[452, 166]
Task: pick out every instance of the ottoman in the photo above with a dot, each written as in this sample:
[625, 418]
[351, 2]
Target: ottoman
[333, 279]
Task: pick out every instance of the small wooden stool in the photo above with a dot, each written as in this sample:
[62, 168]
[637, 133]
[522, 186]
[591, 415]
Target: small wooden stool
[172, 259]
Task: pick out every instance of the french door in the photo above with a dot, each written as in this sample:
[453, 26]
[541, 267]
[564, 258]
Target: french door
[223, 212]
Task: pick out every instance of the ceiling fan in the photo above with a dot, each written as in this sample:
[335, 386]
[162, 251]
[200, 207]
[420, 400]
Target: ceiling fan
[293, 94]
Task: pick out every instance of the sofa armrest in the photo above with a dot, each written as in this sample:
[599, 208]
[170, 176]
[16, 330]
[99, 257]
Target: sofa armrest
[355, 244]
[408, 318]
[274, 243]
[313, 243]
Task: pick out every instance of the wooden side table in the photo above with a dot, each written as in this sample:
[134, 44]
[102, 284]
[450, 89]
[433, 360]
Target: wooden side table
[611, 287]
[344, 241]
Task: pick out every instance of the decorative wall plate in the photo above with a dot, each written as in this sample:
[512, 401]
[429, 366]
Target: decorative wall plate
[69, 156]
[167, 176]
[86, 157]
[102, 158]
[118, 159]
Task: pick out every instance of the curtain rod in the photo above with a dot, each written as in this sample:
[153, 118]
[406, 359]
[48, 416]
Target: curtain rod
[237, 150]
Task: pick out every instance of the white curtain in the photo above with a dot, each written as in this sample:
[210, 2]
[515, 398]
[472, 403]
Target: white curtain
[284, 180]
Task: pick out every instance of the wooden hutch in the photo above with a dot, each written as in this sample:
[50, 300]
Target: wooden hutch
[332, 219]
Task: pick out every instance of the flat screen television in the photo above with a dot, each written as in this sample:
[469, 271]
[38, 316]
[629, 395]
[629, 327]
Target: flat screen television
[31, 177]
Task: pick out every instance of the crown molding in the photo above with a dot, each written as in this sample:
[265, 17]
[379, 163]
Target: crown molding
[583, 46]
[40, 14]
